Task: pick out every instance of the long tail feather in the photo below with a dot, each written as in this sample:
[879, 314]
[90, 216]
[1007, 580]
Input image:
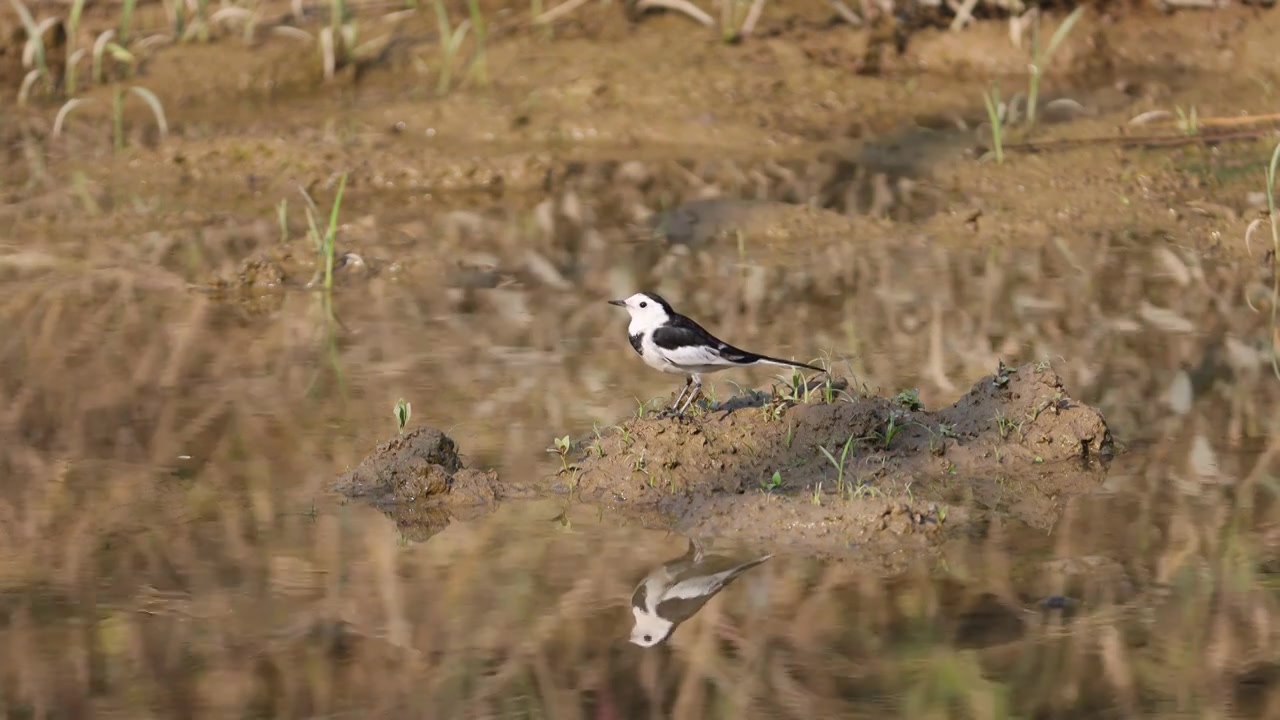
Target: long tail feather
[766, 360]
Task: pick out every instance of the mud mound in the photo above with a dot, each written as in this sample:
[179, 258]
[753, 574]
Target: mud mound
[828, 472]
[418, 480]
[816, 467]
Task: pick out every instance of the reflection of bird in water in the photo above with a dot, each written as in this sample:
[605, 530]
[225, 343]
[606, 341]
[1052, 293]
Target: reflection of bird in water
[679, 588]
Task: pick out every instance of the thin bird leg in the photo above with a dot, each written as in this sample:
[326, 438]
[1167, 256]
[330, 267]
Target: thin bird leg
[697, 388]
[687, 382]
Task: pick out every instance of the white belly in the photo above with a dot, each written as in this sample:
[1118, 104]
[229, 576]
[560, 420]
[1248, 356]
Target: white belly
[686, 361]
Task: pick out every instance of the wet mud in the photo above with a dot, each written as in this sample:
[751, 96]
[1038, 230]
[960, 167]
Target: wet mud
[816, 468]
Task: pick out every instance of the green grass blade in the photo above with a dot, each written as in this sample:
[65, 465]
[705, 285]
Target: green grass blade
[1060, 35]
[330, 236]
[126, 20]
[74, 54]
[72, 78]
[34, 36]
[99, 48]
[156, 108]
[480, 66]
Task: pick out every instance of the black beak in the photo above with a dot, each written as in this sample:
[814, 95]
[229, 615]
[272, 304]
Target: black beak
[619, 303]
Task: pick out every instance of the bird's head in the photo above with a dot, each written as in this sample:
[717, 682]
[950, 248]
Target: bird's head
[646, 309]
[649, 629]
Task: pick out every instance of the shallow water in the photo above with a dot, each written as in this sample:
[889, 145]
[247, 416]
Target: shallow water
[177, 401]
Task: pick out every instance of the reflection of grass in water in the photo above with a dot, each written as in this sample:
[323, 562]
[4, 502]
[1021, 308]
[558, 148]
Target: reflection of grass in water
[499, 617]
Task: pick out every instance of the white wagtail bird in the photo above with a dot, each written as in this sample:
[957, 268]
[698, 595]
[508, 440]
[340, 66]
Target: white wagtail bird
[672, 343]
[678, 589]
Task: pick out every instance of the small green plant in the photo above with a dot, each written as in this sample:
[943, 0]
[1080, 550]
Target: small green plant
[450, 42]
[909, 399]
[126, 20]
[891, 430]
[104, 46]
[1003, 424]
[638, 463]
[840, 464]
[325, 244]
[1040, 60]
[117, 113]
[74, 53]
[338, 40]
[863, 490]
[35, 41]
[597, 445]
[817, 493]
[995, 116]
[1188, 121]
[1003, 374]
[282, 217]
[789, 436]
[480, 65]
[561, 448]
[403, 412]
[775, 482]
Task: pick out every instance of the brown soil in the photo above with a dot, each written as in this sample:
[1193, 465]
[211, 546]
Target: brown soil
[176, 392]
[1016, 446]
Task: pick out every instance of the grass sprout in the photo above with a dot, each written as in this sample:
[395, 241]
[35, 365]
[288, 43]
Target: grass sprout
[74, 54]
[450, 42]
[33, 52]
[403, 411]
[839, 464]
[480, 65]
[325, 243]
[126, 20]
[995, 115]
[157, 109]
[332, 233]
[104, 46]
[63, 112]
[1040, 60]
[117, 113]
[1188, 121]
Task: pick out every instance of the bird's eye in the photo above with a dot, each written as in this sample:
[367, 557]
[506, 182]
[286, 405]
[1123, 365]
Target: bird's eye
[648, 638]
[644, 304]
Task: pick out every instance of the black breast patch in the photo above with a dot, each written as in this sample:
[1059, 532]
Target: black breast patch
[635, 343]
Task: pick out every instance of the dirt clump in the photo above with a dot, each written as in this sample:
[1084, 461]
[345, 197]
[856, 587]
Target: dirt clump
[813, 465]
[831, 473]
[418, 480]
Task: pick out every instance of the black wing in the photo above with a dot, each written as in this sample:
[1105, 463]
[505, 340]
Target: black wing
[680, 332]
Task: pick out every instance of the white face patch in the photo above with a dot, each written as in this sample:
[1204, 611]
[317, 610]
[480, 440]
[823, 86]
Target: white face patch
[646, 313]
[649, 629]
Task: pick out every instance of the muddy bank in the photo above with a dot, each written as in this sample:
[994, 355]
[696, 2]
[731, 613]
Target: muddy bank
[820, 467]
